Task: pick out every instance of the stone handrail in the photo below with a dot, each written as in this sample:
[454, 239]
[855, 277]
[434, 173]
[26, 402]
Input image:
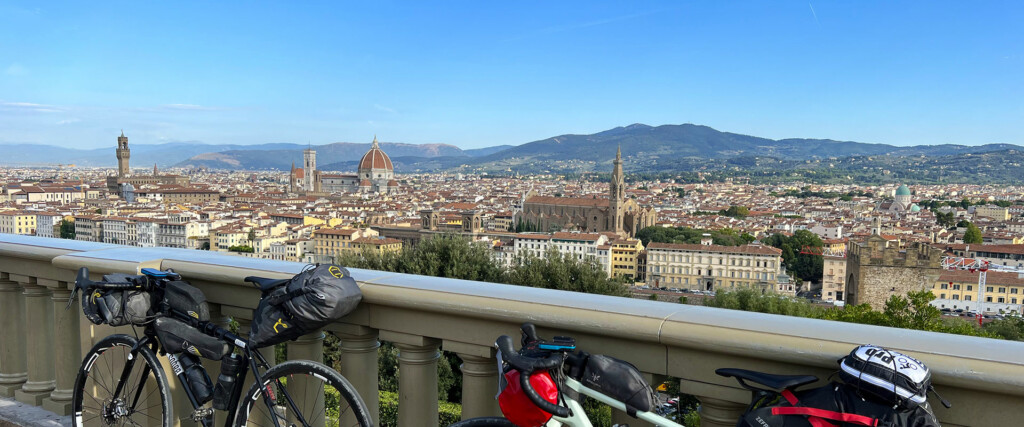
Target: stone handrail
[984, 378]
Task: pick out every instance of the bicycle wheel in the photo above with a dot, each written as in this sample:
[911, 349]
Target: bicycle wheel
[113, 388]
[304, 393]
[484, 422]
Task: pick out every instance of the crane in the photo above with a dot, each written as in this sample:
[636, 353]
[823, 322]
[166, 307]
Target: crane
[982, 268]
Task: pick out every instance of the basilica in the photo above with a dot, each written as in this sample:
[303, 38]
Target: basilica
[375, 174]
[615, 214]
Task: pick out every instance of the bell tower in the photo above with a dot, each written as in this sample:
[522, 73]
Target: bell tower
[123, 154]
[617, 195]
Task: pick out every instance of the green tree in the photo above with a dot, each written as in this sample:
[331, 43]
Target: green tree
[945, 219]
[803, 266]
[251, 236]
[564, 272]
[963, 223]
[736, 211]
[972, 235]
[67, 229]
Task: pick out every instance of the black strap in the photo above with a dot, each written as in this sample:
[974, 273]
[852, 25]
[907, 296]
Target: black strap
[278, 299]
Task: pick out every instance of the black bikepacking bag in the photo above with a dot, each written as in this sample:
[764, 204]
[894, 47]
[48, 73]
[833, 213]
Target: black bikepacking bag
[838, 405]
[309, 301]
[188, 299]
[180, 337]
[620, 380]
[888, 376]
[116, 307]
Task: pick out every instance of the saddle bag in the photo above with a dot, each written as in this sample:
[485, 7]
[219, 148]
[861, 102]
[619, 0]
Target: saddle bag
[620, 380]
[180, 337]
[309, 301]
[188, 299]
[888, 376]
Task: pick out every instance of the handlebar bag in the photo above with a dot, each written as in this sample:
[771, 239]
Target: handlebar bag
[620, 380]
[182, 296]
[517, 406]
[180, 337]
[118, 307]
[888, 376]
[309, 301]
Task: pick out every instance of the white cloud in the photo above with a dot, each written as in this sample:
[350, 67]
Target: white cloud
[189, 107]
[68, 121]
[30, 107]
[384, 109]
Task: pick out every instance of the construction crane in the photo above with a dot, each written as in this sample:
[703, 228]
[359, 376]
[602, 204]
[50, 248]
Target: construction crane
[820, 251]
[982, 268]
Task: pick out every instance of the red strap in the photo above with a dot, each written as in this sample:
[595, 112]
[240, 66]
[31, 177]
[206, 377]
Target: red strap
[815, 415]
[824, 413]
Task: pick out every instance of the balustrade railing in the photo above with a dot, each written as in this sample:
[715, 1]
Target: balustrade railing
[41, 346]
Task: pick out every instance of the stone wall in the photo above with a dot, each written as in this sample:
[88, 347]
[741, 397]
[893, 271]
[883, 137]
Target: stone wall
[875, 271]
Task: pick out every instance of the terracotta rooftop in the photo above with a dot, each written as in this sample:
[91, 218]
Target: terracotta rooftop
[568, 201]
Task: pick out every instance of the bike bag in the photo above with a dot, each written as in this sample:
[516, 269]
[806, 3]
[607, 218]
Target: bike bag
[309, 301]
[835, 405]
[517, 406]
[188, 299]
[890, 377]
[619, 380]
[180, 337]
[118, 307]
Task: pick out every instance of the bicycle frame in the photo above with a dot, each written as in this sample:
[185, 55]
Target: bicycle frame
[579, 418]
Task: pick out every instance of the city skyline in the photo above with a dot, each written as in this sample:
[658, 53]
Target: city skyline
[492, 74]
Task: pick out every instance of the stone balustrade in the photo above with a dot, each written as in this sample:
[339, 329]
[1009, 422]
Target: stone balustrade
[422, 316]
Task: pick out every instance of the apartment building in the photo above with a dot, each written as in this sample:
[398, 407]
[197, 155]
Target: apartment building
[623, 257]
[48, 224]
[958, 289]
[331, 242]
[833, 281]
[89, 228]
[18, 222]
[708, 267]
[992, 211]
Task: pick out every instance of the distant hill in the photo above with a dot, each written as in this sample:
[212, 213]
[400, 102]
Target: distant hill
[329, 157]
[143, 155]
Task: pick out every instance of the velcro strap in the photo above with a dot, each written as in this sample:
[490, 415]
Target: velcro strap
[815, 415]
[280, 298]
[824, 413]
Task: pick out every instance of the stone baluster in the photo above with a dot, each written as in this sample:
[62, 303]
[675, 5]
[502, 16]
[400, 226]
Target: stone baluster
[67, 350]
[719, 413]
[479, 380]
[13, 369]
[359, 346]
[308, 347]
[39, 324]
[417, 382]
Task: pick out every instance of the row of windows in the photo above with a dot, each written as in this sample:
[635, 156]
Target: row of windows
[700, 259]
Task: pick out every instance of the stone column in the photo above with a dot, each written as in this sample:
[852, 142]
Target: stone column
[67, 351]
[359, 366]
[308, 392]
[479, 386]
[417, 383]
[719, 413]
[13, 370]
[39, 322]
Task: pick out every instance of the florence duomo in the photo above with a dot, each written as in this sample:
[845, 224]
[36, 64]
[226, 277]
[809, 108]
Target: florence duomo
[375, 174]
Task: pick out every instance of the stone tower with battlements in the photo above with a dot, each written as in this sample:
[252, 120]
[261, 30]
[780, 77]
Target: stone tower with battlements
[123, 154]
[617, 195]
[877, 270]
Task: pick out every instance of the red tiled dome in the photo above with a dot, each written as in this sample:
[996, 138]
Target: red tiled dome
[376, 159]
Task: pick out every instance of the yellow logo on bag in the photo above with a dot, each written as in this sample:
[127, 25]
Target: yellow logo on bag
[193, 314]
[96, 295]
[194, 351]
[279, 322]
[335, 271]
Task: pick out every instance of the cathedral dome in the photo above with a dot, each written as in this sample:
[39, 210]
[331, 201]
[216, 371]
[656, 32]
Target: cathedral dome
[903, 191]
[376, 158]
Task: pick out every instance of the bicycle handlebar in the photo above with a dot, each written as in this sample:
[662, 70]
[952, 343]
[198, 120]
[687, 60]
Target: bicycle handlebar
[528, 365]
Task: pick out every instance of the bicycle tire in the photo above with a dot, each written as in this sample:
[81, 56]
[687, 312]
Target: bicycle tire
[107, 357]
[484, 422]
[252, 410]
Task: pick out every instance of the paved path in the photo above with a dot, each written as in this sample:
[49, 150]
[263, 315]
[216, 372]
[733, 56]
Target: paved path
[14, 413]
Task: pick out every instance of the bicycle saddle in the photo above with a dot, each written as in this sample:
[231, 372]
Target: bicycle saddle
[775, 382]
[264, 283]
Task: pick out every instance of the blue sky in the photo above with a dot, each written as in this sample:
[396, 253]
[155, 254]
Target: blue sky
[476, 74]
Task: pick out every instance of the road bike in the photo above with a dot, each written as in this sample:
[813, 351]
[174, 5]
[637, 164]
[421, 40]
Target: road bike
[568, 367]
[122, 381]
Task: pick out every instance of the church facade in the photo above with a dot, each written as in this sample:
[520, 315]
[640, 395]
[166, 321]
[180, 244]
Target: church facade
[616, 214]
[116, 183]
[375, 174]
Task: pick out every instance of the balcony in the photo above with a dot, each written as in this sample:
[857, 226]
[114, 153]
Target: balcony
[42, 344]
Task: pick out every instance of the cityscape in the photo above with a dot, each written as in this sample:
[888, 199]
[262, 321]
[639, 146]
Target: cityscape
[380, 197]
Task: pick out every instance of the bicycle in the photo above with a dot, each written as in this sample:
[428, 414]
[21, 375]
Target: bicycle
[568, 367]
[114, 388]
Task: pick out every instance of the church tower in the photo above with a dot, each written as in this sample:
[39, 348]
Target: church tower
[123, 153]
[309, 169]
[617, 195]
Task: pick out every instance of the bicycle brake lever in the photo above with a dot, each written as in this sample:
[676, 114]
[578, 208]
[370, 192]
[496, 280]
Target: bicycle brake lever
[71, 299]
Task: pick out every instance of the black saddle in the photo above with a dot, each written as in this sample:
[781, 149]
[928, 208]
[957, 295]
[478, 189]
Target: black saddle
[774, 382]
[264, 283]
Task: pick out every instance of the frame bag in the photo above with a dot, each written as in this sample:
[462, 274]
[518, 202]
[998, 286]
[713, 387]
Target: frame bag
[620, 380]
[180, 337]
[309, 301]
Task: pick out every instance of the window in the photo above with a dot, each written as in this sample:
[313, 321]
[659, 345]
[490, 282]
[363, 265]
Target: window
[1014, 290]
[989, 289]
[943, 296]
[956, 287]
[943, 286]
[1001, 299]
[967, 297]
[956, 297]
[1002, 290]
[970, 287]
[988, 299]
